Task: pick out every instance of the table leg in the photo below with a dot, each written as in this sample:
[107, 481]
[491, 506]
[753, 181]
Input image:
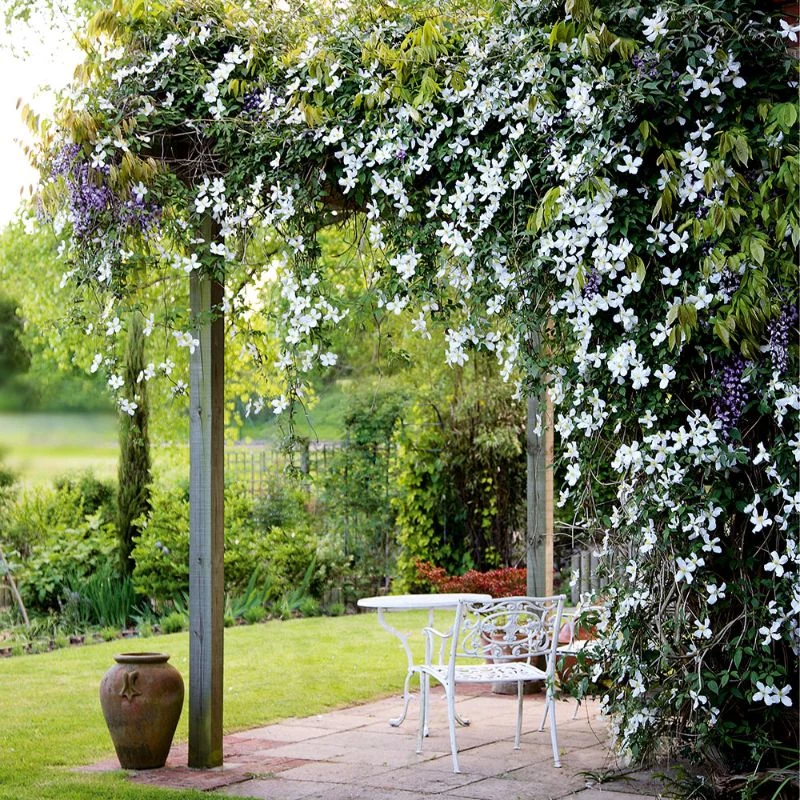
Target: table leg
[397, 721]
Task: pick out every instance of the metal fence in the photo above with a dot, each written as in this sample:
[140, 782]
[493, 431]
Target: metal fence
[254, 466]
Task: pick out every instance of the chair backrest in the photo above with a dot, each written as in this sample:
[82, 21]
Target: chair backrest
[509, 628]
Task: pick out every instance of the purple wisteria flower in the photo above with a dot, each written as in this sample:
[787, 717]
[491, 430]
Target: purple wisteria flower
[592, 285]
[733, 395]
[779, 337]
[91, 199]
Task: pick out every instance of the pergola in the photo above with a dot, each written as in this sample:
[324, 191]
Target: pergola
[206, 521]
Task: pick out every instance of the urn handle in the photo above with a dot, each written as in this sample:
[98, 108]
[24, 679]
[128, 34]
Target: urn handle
[129, 690]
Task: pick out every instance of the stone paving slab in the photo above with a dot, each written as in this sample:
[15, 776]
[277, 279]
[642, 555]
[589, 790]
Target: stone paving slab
[353, 754]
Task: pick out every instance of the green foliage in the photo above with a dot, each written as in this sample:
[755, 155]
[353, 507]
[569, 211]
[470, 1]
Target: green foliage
[357, 517]
[460, 477]
[33, 516]
[97, 496]
[133, 496]
[162, 551]
[174, 622]
[65, 559]
[109, 597]
[14, 356]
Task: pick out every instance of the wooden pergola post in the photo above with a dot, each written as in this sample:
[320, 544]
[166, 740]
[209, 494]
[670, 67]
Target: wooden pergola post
[206, 521]
[539, 528]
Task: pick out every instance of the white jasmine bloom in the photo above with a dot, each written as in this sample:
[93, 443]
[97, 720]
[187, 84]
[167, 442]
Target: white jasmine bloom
[186, 339]
[637, 684]
[96, 362]
[788, 31]
[420, 326]
[760, 519]
[328, 359]
[653, 27]
[782, 695]
[684, 570]
[640, 376]
[765, 693]
[680, 242]
[114, 327]
[279, 405]
[665, 375]
[703, 629]
[116, 382]
[139, 191]
[697, 698]
[775, 564]
[397, 304]
[762, 455]
[573, 474]
[715, 592]
[630, 164]
[771, 634]
[127, 406]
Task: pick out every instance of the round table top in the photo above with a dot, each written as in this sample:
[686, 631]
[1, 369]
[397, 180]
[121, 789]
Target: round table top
[410, 602]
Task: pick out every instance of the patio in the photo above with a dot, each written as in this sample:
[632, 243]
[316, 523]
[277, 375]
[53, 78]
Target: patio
[353, 754]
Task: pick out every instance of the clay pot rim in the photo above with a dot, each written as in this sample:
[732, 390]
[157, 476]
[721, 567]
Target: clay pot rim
[141, 658]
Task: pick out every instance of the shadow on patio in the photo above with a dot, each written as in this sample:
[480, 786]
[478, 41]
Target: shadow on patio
[354, 754]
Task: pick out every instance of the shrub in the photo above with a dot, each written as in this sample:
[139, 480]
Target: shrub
[162, 551]
[460, 475]
[507, 582]
[175, 622]
[96, 495]
[358, 522]
[39, 515]
[51, 571]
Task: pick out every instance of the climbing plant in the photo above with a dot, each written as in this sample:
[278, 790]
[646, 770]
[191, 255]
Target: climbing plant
[603, 195]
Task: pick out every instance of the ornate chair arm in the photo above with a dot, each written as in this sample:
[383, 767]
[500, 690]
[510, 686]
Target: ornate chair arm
[429, 634]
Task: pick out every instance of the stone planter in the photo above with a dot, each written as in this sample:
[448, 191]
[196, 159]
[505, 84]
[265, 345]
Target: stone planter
[142, 697]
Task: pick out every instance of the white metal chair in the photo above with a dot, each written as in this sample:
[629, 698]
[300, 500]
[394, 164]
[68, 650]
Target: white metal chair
[502, 637]
[578, 626]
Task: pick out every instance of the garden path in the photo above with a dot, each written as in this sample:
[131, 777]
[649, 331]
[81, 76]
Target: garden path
[353, 754]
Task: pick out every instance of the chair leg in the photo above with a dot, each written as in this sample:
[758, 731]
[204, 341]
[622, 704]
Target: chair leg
[451, 721]
[544, 716]
[518, 734]
[423, 709]
[553, 735]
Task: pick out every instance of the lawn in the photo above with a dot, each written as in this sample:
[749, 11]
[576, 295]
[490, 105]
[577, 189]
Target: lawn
[44, 446]
[50, 718]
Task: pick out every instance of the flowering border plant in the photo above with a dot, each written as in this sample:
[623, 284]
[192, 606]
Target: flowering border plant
[604, 195]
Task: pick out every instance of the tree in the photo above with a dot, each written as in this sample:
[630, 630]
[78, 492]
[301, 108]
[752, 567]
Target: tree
[133, 492]
[14, 356]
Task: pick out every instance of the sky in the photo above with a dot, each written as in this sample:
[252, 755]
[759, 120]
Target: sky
[29, 58]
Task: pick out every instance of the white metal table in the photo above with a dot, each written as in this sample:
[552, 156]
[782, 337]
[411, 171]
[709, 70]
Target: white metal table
[414, 602]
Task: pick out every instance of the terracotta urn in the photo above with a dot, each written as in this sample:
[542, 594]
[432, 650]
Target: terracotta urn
[142, 697]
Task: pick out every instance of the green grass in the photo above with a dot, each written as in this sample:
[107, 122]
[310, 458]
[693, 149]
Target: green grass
[50, 718]
[325, 422]
[41, 447]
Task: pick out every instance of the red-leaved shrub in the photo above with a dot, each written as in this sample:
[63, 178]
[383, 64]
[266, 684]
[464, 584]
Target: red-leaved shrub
[506, 582]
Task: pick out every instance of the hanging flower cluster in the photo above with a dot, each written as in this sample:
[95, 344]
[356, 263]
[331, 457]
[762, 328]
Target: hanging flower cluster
[605, 199]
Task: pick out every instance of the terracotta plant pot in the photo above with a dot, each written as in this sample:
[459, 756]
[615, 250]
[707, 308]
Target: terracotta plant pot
[142, 697]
